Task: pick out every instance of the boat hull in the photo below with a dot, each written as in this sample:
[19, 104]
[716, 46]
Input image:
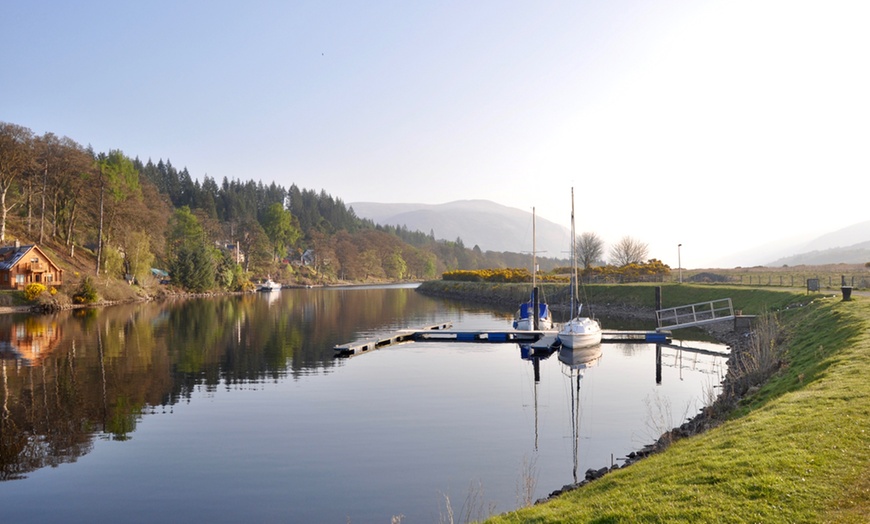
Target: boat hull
[524, 319]
[582, 332]
[269, 285]
[526, 324]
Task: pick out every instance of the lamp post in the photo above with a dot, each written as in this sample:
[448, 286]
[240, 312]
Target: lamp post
[679, 262]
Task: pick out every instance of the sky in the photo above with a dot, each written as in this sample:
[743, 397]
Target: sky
[704, 129]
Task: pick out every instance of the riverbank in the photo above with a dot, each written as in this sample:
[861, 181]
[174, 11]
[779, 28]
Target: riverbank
[793, 449]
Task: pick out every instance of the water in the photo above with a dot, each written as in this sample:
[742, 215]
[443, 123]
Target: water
[235, 409]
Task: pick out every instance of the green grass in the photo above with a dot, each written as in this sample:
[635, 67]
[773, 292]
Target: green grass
[748, 300]
[796, 451]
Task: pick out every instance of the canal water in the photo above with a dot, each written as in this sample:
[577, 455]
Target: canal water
[235, 409]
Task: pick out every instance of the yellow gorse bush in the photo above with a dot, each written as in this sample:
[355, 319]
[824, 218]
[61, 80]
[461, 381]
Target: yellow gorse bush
[32, 291]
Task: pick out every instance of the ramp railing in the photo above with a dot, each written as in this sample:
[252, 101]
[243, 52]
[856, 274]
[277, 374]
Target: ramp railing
[695, 314]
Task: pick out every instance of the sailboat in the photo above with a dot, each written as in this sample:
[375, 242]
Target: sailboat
[580, 331]
[525, 318]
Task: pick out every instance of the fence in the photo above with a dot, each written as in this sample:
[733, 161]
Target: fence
[779, 279]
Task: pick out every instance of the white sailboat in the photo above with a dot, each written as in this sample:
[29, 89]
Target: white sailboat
[580, 331]
[525, 317]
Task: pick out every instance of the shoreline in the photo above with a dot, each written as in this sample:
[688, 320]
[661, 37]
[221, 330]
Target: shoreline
[708, 418]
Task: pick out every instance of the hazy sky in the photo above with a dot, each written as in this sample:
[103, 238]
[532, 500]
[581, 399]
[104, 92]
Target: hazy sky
[721, 125]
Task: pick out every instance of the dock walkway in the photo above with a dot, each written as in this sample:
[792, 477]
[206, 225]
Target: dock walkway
[536, 339]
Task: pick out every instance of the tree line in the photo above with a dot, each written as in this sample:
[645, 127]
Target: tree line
[134, 215]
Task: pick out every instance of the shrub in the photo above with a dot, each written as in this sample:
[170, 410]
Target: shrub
[86, 293]
[33, 291]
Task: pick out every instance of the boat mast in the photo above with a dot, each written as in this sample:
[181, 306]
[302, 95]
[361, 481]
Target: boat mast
[534, 252]
[535, 322]
[575, 292]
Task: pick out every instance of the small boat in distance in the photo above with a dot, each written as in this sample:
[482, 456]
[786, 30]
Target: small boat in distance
[579, 332]
[525, 317]
[269, 285]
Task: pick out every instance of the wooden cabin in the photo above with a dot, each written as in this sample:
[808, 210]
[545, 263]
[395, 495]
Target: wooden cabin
[22, 265]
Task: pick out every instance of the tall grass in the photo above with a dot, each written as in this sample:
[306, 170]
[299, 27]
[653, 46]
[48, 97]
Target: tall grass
[474, 508]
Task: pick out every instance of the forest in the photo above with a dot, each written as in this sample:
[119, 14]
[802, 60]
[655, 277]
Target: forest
[130, 215]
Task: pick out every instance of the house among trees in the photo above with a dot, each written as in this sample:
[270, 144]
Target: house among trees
[22, 265]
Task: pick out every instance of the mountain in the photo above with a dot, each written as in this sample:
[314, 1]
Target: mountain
[486, 224]
[850, 245]
[494, 227]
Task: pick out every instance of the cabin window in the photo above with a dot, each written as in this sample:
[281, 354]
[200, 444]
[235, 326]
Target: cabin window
[19, 279]
[49, 278]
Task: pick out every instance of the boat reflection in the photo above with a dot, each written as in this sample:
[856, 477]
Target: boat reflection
[575, 363]
[535, 356]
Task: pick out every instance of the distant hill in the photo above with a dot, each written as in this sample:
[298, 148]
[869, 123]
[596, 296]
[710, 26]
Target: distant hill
[850, 245]
[486, 224]
[494, 227]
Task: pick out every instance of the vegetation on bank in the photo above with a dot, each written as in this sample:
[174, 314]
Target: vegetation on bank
[828, 277]
[116, 217]
[650, 271]
[639, 296]
[796, 449]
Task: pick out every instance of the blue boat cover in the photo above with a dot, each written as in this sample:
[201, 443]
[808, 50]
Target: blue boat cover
[526, 307]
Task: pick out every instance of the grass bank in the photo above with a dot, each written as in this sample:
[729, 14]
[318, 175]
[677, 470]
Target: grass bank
[639, 298]
[796, 450]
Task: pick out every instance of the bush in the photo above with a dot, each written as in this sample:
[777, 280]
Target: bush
[86, 293]
[33, 291]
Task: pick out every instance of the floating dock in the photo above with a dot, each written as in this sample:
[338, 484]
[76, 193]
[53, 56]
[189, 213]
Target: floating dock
[539, 340]
[656, 337]
[405, 335]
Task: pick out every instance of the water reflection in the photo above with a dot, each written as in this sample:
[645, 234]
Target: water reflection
[535, 356]
[29, 340]
[75, 376]
[576, 362]
[243, 394]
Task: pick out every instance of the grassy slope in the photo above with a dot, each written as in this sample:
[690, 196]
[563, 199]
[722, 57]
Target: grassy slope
[749, 300]
[798, 451]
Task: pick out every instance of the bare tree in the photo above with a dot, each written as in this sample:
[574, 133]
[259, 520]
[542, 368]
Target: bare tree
[628, 251]
[16, 157]
[590, 249]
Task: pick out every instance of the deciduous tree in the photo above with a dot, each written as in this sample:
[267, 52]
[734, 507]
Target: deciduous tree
[628, 251]
[16, 157]
[282, 230]
[590, 249]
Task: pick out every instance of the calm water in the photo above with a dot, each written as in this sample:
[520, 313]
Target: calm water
[235, 409]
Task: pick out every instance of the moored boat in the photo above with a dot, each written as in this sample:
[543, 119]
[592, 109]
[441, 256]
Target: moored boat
[269, 285]
[580, 331]
[525, 317]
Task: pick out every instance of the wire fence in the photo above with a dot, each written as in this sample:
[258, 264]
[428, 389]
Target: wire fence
[812, 281]
[809, 280]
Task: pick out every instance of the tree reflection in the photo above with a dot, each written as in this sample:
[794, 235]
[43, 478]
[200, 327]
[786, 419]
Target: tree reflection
[75, 376]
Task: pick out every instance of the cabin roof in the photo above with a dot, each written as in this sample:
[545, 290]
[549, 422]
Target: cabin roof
[11, 255]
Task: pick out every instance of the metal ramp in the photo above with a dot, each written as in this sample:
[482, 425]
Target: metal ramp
[695, 314]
